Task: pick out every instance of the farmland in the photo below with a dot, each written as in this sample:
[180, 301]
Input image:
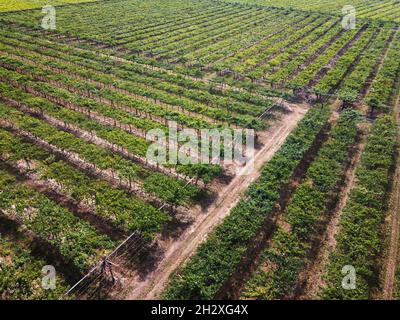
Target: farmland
[16, 5]
[78, 191]
[388, 10]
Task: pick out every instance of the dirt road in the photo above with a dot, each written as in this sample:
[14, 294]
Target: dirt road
[394, 218]
[391, 263]
[178, 251]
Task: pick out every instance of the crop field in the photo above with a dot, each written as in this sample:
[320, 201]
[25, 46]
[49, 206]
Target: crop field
[16, 5]
[386, 10]
[83, 102]
[283, 49]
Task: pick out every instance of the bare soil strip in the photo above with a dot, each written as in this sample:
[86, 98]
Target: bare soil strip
[177, 251]
[394, 225]
[310, 280]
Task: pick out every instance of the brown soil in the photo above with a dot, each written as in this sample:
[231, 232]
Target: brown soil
[394, 219]
[394, 225]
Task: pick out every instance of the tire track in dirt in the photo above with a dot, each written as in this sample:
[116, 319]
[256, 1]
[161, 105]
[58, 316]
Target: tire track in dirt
[394, 224]
[391, 263]
[179, 251]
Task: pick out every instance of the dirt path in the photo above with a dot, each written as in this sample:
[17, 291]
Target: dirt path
[311, 278]
[394, 225]
[391, 263]
[177, 252]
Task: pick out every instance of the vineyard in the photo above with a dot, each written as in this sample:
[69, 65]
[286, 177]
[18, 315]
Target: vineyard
[78, 191]
[387, 10]
[16, 5]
